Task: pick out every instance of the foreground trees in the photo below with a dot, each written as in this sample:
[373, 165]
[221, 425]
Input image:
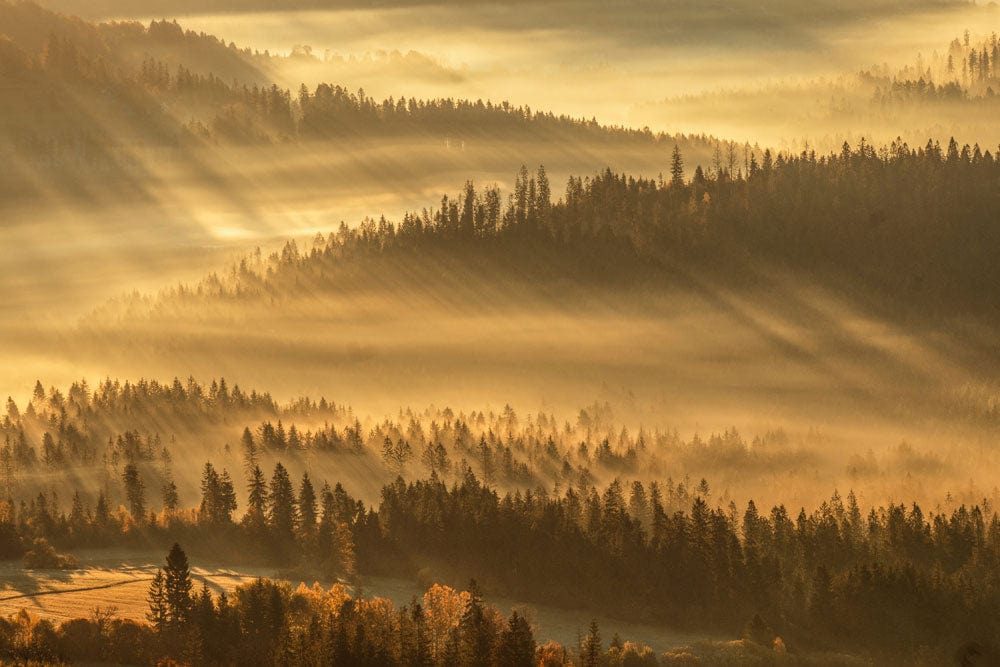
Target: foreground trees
[266, 622]
[832, 577]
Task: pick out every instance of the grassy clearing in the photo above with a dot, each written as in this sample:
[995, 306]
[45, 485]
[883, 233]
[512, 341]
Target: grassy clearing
[104, 579]
[120, 579]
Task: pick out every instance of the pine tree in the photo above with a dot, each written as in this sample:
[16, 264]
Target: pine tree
[204, 619]
[307, 507]
[77, 519]
[257, 499]
[590, 651]
[227, 498]
[474, 630]
[168, 490]
[210, 508]
[517, 643]
[102, 515]
[396, 455]
[135, 493]
[543, 202]
[156, 599]
[676, 167]
[420, 653]
[282, 519]
[334, 540]
[251, 453]
[177, 588]
[12, 412]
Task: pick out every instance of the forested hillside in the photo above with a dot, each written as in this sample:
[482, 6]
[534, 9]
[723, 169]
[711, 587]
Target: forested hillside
[912, 226]
[96, 109]
[520, 507]
[668, 327]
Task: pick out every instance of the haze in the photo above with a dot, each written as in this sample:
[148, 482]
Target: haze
[395, 295]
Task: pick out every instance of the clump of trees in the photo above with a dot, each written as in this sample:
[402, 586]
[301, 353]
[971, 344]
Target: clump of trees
[43, 556]
[966, 73]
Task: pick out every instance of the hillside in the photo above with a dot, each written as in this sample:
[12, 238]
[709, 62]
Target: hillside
[114, 108]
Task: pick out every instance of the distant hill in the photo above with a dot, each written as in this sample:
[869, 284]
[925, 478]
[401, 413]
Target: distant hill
[85, 105]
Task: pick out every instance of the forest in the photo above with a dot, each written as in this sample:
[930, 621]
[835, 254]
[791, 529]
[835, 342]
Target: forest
[421, 332]
[512, 508]
[98, 103]
[838, 576]
[912, 227]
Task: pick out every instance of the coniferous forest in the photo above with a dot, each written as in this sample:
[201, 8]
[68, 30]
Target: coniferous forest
[489, 334]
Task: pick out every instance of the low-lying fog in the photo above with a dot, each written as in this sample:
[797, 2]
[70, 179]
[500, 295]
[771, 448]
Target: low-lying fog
[791, 356]
[627, 64]
[848, 387]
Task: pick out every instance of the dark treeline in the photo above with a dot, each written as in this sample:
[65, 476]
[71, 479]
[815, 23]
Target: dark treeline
[331, 111]
[87, 105]
[243, 107]
[72, 92]
[109, 443]
[876, 582]
[915, 226]
[126, 44]
[518, 508]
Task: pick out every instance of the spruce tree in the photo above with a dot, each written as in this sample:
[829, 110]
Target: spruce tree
[307, 507]
[135, 493]
[476, 637]
[676, 167]
[156, 599]
[590, 650]
[517, 643]
[177, 587]
[282, 519]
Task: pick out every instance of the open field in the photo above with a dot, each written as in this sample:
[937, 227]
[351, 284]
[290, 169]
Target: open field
[104, 579]
[118, 580]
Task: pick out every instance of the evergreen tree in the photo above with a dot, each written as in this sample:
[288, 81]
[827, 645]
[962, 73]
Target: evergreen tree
[474, 630]
[177, 588]
[543, 203]
[517, 645]
[135, 493]
[257, 500]
[676, 167]
[251, 454]
[419, 652]
[171, 499]
[590, 651]
[281, 518]
[307, 507]
[156, 600]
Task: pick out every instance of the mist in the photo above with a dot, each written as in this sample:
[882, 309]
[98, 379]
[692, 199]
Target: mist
[678, 317]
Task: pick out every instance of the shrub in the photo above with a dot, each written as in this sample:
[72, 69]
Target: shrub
[43, 556]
